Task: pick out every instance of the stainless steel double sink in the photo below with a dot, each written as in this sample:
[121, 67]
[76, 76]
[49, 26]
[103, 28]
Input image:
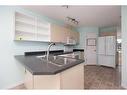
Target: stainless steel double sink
[57, 60]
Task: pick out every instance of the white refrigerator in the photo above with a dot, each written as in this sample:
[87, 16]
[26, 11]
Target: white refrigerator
[107, 51]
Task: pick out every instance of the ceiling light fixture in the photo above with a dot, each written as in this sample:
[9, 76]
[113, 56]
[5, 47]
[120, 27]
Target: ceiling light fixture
[73, 20]
[65, 6]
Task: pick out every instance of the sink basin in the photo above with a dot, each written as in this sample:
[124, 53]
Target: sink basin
[57, 60]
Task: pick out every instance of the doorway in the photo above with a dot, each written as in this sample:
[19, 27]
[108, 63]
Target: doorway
[90, 48]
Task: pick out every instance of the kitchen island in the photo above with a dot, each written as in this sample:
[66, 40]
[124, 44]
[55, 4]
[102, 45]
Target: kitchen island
[43, 75]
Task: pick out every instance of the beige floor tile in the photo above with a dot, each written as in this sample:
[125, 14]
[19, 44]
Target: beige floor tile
[100, 77]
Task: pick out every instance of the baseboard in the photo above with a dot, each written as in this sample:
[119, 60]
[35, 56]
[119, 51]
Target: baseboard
[123, 86]
[91, 64]
[19, 85]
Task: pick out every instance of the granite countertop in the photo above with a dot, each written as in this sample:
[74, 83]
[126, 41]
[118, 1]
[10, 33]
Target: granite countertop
[54, 52]
[39, 67]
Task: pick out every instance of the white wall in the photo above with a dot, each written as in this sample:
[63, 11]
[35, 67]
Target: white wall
[11, 71]
[124, 45]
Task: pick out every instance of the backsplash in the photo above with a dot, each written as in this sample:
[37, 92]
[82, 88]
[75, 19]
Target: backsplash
[68, 48]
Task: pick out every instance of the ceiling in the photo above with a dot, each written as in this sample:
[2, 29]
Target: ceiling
[95, 16]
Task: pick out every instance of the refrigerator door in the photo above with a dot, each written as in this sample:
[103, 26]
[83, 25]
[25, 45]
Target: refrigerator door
[108, 61]
[101, 45]
[110, 45]
[107, 51]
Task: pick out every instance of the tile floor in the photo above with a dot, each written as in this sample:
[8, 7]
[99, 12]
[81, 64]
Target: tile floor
[100, 77]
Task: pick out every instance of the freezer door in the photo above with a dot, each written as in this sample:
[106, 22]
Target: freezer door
[110, 45]
[101, 45]
[108, 61]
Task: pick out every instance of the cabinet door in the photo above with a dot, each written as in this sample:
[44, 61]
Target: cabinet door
[55, 33]
[76, 36]
[73, 35]
[47, 81]
[42, 31]
[24, 27]
[73, 78]
[30, 28]
[64, 34]
[70, 34]
[28, 80]
[58, 34]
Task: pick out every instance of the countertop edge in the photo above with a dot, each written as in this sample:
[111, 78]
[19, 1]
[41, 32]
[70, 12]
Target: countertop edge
[80, 61]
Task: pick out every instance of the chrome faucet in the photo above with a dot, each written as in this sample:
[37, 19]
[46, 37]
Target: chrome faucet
[48, 49]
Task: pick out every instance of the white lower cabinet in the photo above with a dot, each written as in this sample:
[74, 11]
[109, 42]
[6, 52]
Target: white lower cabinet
[28, 80]
[72, 78]
[46, 81]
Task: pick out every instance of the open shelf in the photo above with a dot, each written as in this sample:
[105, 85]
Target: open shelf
[23, 17]
[43, 24]
[24, 32]
[24, 36]
[31, 28]
[24, 22]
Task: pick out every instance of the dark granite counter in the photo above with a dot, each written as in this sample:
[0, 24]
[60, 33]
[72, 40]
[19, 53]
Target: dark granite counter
[39, 67]
[55, 52]
[75, 50]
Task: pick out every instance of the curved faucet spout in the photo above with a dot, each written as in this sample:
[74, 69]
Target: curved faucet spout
[48, 49]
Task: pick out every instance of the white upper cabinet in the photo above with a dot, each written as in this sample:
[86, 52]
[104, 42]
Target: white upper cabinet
[24, 27]
[31, 28]
[43, 31]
